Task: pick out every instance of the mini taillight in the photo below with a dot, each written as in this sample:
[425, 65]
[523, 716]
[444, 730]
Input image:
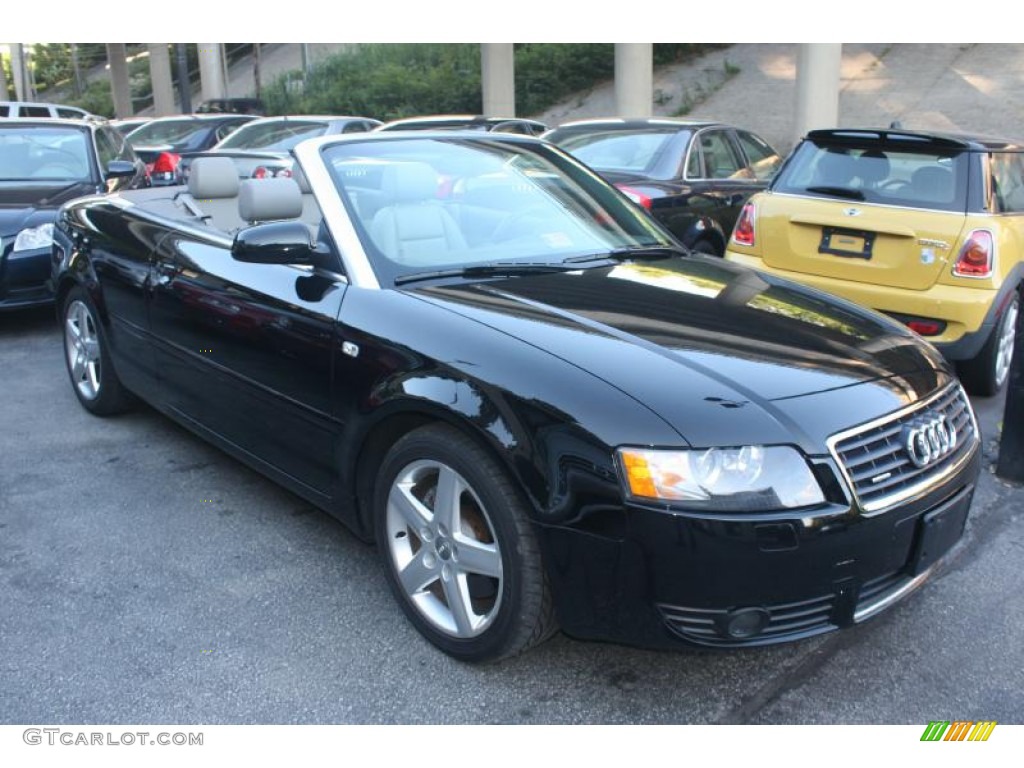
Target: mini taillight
[166, 162]
[635, 195]
[260, 173]
[743, 233]
[977, 255]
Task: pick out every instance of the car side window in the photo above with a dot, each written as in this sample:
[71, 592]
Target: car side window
[74, 114]
[34, 112]
[4, 110]
[694, 167]
[1007, 182]
[763, 160]
[227, 129]
[356, 126]
[720, 158]
[106, 150]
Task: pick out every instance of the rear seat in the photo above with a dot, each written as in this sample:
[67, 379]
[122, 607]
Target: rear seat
[213, 192]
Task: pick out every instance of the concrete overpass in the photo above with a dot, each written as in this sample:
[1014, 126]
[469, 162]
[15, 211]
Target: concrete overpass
[817, 82]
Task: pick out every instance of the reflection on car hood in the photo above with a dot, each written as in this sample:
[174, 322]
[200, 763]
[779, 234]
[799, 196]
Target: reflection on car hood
[683, 335]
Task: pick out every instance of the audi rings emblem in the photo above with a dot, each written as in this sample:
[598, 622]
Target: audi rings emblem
[927, 441]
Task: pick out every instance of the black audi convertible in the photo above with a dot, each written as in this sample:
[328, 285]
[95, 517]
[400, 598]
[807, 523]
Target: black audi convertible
[544, 411]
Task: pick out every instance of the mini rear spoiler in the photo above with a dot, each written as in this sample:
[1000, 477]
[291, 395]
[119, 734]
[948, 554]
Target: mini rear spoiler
[860, 137]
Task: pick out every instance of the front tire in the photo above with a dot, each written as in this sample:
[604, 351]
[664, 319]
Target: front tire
[457, 547]
[987, 373]
[88, 359]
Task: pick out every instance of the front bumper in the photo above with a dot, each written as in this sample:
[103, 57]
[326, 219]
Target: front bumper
[969, 313]
[24, 279]
[676, 579]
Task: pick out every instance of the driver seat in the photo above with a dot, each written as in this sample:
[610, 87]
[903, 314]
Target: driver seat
[414, 228]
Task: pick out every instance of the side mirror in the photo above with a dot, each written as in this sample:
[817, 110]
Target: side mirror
[276, 242]
[120, 169]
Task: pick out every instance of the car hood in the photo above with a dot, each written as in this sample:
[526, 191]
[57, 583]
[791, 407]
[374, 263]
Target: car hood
[32, 205]
[717, 350]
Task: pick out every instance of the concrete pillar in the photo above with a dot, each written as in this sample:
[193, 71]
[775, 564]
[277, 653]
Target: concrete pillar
[119, 85]
[211, 71]
[18, 72]
[817, 86]
[4, 95]
[160, 76]
[497, 75]
[634, 79]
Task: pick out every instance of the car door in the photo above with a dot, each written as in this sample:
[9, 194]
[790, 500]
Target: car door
[245, 352]
[720, 177]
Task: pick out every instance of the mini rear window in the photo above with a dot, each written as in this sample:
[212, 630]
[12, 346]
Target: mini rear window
[879, 174]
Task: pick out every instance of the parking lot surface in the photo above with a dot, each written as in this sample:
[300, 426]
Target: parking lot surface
[148, 578]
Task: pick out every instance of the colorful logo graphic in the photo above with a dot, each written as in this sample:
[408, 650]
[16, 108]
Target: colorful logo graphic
[958, 730]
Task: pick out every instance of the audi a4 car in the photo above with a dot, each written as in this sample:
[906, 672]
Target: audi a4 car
[43, 164]
[693, 176]
[543, 410]
[927, 227]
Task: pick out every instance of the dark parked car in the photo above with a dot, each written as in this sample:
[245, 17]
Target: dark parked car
[43, 164]
[467, 123]
[478, 354]
[237, 106]
[161, 142]
[693, 176]
[262, 149]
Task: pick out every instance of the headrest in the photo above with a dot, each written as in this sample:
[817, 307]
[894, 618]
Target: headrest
[873, 167]
[210, 178]
[409, 182]
[301, 180]
[269, 199]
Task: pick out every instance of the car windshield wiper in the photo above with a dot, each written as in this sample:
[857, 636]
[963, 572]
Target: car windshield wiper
[631, 252]
[487, 270]
[852, 194]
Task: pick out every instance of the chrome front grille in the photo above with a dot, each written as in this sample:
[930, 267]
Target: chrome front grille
[875, 459]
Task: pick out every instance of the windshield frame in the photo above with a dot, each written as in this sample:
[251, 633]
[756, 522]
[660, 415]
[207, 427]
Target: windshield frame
[621, 222]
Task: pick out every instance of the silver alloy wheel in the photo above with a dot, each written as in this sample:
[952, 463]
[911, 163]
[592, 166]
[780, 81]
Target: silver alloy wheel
[82, 346]
[443, 549]
[1004, 351]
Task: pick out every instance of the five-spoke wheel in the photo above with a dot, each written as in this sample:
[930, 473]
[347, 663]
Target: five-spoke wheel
[458, 549]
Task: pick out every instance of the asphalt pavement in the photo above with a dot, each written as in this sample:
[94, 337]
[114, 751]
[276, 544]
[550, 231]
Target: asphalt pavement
[146, 577]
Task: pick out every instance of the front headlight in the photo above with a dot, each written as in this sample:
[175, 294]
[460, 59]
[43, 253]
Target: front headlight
[751, 478]
[36, 237]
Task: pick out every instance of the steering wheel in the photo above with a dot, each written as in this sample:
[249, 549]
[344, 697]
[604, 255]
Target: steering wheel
[891, 185]
[56, 171]
[519, 224]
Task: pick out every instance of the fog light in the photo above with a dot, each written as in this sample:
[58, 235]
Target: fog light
[744, 623]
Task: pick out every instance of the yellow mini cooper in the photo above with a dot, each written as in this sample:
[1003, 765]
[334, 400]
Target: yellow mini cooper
[925, 227]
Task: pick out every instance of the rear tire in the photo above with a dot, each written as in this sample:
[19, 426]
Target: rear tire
[987, 373]
[87, 357]
[459, 552]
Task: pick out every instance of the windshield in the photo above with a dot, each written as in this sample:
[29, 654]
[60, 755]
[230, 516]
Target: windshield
[276, 136]
[164, 132]
[631, 151]
[422, 205]
[884, 173]
[44, 153]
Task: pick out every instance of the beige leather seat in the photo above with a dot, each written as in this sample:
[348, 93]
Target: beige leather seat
[213, 188]
[274, 199]
[413, 227]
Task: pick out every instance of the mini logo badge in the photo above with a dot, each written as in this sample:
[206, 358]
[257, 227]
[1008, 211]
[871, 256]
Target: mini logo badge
[851, 211]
